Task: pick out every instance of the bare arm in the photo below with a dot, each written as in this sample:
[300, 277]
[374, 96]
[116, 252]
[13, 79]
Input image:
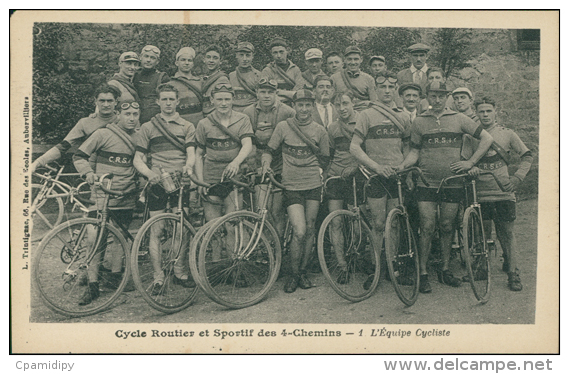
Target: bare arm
[190, 160]
[356, 150]
[139, 163]
[233, 167]
[483, 146]
[410, 160]
[199, 163]
[52, 155]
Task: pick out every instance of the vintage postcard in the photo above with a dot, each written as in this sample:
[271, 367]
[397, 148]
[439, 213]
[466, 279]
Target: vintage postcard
[113, 112]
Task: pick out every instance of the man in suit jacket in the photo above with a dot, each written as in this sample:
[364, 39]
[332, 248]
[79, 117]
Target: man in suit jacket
[324, 112]
[417, 72]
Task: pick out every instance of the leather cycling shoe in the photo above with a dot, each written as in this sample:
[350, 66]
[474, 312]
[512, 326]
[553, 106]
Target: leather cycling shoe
[291, 284]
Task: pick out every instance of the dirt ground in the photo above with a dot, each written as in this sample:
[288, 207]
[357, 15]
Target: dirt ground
[445, 305]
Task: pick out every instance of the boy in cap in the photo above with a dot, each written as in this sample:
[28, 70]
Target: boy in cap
[305, 148]
[436, 142]
[188, 85]
[109, 149]
[353, 79]
[106, 98]
[284, 71]
[463, 100]
[324, 111]
[245, 77]
[377, 66]
[146, 80]
[499, 206]
[313, 58]
[383, 131]
[264, 116]
[213, 77]
[170, 141]
[417, 72]
[128, 65]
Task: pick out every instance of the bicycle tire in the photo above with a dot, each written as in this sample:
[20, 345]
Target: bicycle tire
[476, 255]
[168, 297]
[239, 280]
[349, 271]
[402, 256]
[62, 285]
[193, 255]
[48, 212]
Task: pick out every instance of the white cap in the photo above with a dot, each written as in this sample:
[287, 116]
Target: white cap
[186, 51]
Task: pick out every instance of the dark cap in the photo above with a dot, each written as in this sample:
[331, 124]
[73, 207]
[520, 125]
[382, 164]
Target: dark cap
[222, 87]
[380, 58]
[278, 42]
[407, 86]
[245, 47]
[419, 47]
[437, 87]
[352, 49]
[303, 95]
[268, 83]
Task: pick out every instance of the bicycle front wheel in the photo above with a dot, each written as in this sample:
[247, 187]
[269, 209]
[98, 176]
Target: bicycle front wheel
[90, 279]
[47, 211]
[194, 250]
[348, 255]
[160, 261]
[239, 259]
[402, 256]
[476, 254]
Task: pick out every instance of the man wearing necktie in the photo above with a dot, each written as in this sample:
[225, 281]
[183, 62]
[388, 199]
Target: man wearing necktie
[324, 112]
[417, 72]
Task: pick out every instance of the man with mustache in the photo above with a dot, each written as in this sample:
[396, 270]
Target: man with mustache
[284, 71]
[245, 77]
[324, 112]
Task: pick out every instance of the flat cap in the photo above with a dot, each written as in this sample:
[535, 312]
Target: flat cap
[419, 47]
[186, 51]
[278, 42]
[313, 53]
[352, 49]
[380, 58]
[129, 56]
[437, 87]
[463, 90]
[303, 95]
[407, 86]
[245, 47]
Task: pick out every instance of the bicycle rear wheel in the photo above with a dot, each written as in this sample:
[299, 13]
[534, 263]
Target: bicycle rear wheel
[402, 256]
[47, 212]
[348, 255]
[238, 264]
[162, 236]
[63, 284]
[476, 254]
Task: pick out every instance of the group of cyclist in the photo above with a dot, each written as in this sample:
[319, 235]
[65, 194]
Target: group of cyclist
[302, 128]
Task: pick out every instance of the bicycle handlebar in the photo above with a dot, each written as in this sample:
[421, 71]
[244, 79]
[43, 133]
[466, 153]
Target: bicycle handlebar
[413, 169]
[75, 195]
[274, 181]
[208, 185]
[465, 175]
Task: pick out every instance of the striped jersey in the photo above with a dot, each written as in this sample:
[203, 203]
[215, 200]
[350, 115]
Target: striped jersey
[340, 146]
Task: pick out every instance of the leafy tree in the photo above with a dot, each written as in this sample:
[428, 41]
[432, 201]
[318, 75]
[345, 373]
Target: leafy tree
[451, 49]
[390, 43]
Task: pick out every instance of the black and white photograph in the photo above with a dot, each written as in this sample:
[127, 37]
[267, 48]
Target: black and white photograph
[272, 181]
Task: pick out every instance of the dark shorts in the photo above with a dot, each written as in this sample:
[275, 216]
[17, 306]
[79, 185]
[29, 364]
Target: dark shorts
[499, 211]
[300, 197]
[340, 189]
[124, 216]
[379, 187]
[447, 195]
[158, 198]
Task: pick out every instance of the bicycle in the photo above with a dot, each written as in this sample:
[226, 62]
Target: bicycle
[48, 207]
[355, 258]
[475, 249]
[171, 234]
[87, 243]
[239, 257]
[401, 246]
